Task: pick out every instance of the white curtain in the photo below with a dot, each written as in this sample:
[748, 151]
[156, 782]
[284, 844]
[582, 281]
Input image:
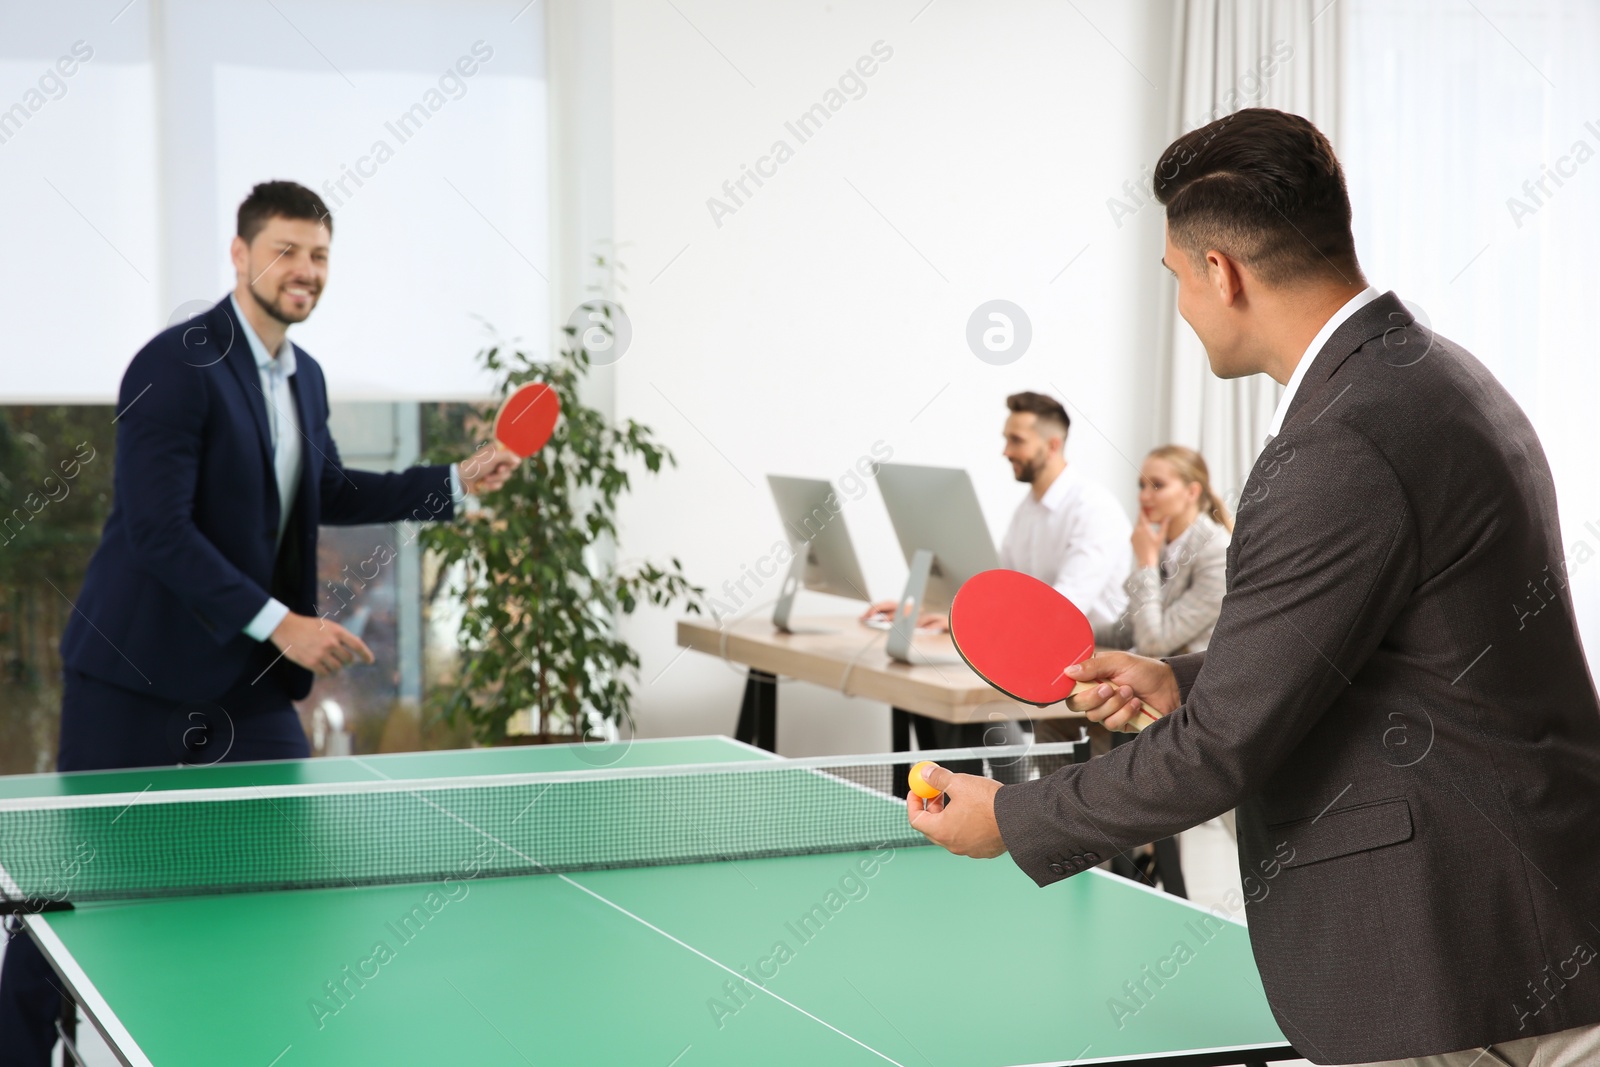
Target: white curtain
[1471, 141]
[1233, 54]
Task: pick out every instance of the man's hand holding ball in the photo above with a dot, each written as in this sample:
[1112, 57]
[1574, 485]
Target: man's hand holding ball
[959, 816]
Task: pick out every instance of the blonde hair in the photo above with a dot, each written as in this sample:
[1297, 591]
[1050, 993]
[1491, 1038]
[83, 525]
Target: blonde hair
[1191, 467]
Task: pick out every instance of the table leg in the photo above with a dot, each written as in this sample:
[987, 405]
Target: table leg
[900, 741]
[67, 1030]
[758, 712]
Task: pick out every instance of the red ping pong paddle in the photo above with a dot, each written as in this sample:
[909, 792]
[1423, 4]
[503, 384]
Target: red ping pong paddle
[1020, 635]
[527, 418]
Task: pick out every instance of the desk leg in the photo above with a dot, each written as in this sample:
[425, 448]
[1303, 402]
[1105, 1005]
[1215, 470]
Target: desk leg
[900, 741]
[933, 734]
[758, 713]
[1168, 868]
[899, 730]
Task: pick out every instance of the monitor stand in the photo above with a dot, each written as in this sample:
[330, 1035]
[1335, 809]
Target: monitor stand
[904, 627]
[792, 584]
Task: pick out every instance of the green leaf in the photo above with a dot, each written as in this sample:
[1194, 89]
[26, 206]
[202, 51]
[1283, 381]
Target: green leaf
[538, 627]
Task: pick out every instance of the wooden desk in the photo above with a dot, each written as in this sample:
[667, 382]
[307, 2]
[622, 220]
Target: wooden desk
[850, 658]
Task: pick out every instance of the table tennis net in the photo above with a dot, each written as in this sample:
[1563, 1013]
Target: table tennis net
[199, 841]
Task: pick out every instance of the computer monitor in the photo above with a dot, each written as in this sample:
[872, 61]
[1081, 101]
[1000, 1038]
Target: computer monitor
[943, 535]
[825, 558]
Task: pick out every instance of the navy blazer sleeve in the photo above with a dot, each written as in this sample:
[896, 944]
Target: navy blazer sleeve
[353, 497]
[350, 497]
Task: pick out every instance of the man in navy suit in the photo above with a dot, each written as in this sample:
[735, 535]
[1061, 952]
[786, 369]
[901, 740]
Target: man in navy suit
[197, 623]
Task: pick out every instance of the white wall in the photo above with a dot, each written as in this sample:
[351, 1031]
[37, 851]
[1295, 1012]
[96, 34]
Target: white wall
[828, 311]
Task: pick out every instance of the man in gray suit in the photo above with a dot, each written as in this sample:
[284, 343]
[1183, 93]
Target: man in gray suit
[1412, 741]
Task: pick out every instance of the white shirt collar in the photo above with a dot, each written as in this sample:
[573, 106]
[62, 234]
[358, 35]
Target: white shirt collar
[1353, 305]
[1059, 490]
[286, 362]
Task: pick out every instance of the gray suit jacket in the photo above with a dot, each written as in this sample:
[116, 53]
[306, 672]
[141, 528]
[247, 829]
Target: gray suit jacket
[1396, 700]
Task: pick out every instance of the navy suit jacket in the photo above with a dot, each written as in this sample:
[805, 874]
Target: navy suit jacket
[187, 557]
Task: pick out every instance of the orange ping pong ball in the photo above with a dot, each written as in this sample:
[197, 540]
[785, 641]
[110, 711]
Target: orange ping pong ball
[918, 784]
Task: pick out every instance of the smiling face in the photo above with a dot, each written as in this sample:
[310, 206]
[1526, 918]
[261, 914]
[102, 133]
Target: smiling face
[285, 267]
[1163, 494]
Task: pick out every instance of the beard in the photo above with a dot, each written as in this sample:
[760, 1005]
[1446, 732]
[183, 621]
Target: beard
[276, 310]
[1027, 470]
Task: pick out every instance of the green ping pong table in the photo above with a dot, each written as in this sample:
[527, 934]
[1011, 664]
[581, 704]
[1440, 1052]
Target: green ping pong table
[892, 953]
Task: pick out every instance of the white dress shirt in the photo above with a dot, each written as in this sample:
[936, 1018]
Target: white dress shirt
[1075, 537]
[1353, 305]
[283, 423]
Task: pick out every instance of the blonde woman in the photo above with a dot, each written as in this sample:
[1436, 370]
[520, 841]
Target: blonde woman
[1180, 549]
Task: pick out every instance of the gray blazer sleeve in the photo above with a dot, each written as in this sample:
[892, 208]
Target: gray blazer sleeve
[1163, 625]
[1186, 669]
[1324, 556]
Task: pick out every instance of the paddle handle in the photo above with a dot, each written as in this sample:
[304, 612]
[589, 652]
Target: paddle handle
[1145, 717]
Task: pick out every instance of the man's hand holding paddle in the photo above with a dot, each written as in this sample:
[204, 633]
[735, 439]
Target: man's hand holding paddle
[1029, 641]
[487, 469]
[524, 423]
[1127, 684]
[1033, 644]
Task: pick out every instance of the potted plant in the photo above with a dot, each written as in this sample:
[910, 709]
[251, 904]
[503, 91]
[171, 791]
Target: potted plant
[538, 632]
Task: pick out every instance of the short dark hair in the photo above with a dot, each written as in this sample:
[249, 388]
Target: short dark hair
[1264, 187]
[288, 200]
[1042, 407]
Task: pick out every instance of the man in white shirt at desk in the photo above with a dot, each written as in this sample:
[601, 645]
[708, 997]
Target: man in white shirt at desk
[1067, 531]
